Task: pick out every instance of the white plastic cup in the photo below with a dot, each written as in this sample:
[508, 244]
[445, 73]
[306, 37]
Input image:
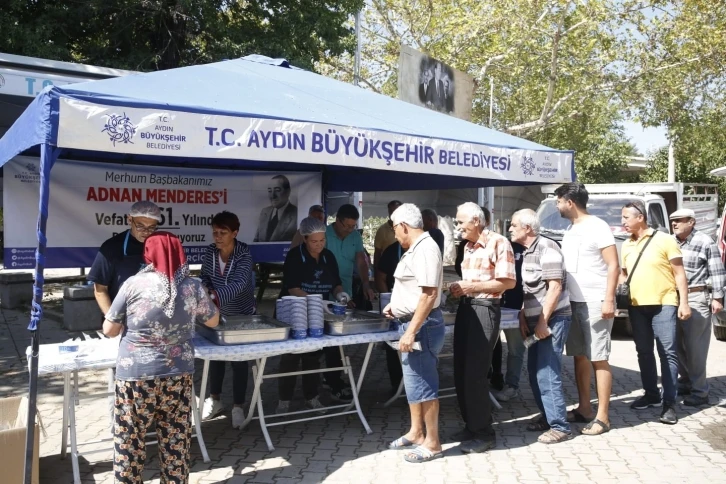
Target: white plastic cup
[384, 300]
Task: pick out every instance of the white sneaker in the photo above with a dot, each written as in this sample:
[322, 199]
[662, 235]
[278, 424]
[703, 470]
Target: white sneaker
[314, 403]
[212, 408]
[238, 417]
[283, 406]
[507, 394]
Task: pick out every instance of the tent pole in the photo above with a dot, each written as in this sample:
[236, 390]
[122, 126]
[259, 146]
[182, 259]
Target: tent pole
[48, 155]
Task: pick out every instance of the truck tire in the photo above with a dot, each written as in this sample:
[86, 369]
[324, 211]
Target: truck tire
[719, 332]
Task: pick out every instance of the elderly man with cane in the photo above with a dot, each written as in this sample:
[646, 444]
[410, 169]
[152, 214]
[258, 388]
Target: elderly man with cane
[415, 304]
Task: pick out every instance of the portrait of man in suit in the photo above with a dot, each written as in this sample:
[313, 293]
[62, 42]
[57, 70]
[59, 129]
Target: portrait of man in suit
[278, 222]
[436, 85]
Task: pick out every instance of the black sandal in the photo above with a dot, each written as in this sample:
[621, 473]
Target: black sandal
[604, 428]
[573, 416]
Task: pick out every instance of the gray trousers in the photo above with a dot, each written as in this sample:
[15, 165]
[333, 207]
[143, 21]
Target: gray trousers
[692, 340]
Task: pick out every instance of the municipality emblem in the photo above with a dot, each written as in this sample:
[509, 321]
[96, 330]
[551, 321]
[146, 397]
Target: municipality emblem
[119, 128]
[527, 165]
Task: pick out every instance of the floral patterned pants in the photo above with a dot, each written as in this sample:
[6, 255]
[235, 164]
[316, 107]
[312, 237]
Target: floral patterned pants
[167, 403]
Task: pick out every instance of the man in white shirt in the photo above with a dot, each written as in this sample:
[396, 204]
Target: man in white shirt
[591, 262]
[415, 304]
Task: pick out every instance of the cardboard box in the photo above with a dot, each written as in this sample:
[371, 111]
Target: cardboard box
[13, 416]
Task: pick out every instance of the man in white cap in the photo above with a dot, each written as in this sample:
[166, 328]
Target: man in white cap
[119, 258]
[702, 262]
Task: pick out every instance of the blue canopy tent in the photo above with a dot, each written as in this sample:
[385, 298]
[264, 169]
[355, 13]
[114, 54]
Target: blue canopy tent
[258, 113]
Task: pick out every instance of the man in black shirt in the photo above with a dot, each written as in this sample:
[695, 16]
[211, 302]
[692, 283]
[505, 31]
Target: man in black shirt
[119, 258]
[384, 283]
[431, 225]
[511, 299]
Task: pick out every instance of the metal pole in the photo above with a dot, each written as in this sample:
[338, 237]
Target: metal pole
[48, 155]
[671, 159]
[356, 67]
[357, 196]
[491, 100]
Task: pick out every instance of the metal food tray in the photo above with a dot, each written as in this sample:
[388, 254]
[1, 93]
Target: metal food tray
[235, 330]
[355, 322]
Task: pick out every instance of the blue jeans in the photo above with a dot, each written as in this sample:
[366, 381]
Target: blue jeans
[420, 368]
[659, 323]
[515, 357]
[544, 363]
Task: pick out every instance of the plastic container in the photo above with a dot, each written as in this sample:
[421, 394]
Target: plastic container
[532, 339]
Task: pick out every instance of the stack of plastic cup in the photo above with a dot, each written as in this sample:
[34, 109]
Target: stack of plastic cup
[298, 314]
[384, 299]
[279, 311]
[315, 315]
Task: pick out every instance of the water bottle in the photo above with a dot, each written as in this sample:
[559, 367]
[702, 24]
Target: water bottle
[532, 339]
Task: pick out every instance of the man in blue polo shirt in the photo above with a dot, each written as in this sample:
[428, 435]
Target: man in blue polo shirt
[345, 242]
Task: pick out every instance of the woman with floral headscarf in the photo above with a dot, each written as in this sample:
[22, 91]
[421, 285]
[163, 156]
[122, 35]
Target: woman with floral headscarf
[155, 312]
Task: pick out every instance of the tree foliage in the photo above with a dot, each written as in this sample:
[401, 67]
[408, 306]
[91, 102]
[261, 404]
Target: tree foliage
[700, 149]
[565, 72]
[161, 34]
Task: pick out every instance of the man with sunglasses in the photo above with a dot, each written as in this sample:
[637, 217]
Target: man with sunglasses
[121, 257]
[659, 296]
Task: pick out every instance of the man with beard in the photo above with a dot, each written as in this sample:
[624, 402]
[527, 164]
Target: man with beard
[591, 262]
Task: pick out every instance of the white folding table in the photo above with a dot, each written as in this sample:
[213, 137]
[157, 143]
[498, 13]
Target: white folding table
[94, 354]
[259, 353]
[101, 354]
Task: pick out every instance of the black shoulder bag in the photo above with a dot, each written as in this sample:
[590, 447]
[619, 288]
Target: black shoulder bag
[622, 292]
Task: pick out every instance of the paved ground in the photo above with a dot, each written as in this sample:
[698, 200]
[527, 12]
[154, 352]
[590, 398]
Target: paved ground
[337, 450]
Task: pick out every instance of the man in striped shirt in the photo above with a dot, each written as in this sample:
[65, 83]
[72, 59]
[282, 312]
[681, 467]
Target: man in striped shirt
[545, 313]
[702, 262]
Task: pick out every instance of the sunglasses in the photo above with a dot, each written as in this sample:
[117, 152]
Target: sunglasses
[631, 205]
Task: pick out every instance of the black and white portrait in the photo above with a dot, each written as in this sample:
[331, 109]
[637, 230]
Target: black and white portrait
[278, 221]
[436, 85]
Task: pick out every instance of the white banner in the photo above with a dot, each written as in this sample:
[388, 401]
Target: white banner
[89, 202]
[97, 127]
[17, 82]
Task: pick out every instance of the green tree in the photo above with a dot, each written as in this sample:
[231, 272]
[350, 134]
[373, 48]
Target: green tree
[162, 34]
[565, 72]
[700, 149]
